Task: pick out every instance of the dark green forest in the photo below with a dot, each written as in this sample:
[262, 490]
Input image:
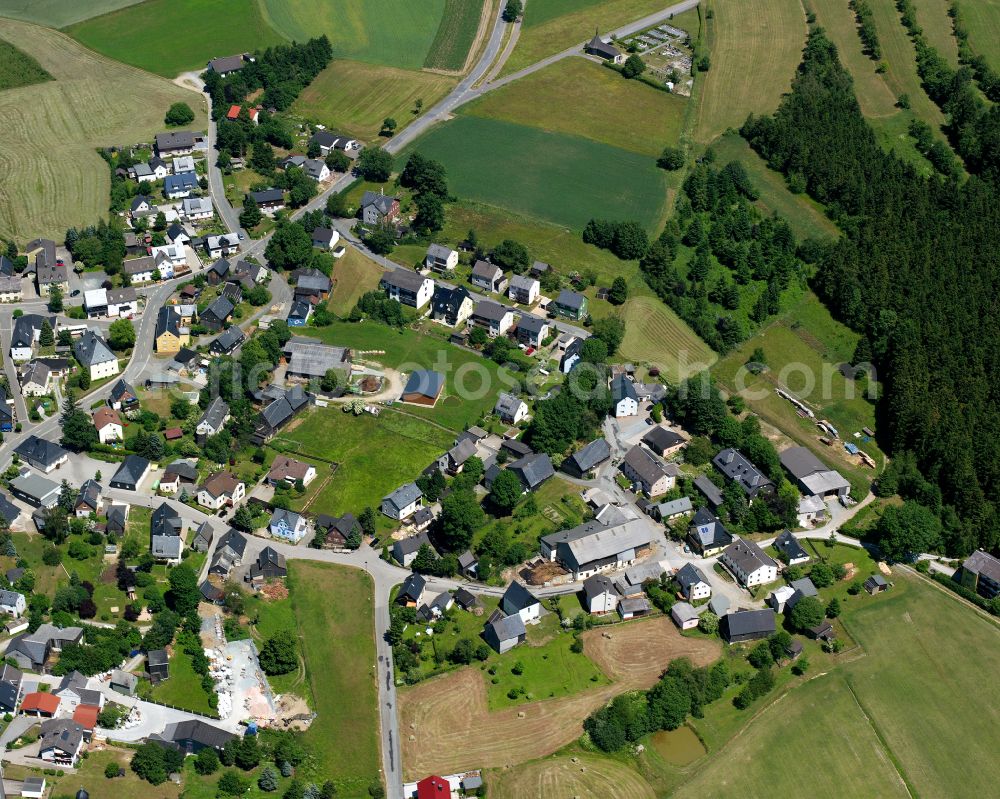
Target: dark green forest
[916, 274]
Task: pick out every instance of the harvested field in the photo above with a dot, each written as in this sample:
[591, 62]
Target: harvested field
[59, 13]
[589, 778]
[755, 48]
[442, 720]
[655, 334]
[53, 177]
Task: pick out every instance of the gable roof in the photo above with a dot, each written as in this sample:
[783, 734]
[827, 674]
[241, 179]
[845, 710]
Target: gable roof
[662, 438]
[404, 279]
[404, 495]
[413, 586]
[709, 530]
[424, 382]
[598, 584]
[623, 388]
[689, 575]
[737, 467]
[788, 544]
[570, 299]
[518, 597]
[589, 456]
[448, 300]
[750, 622]
[649, 468]
[506, 628]
[131, 470]
[220, 310]
[215, 414]
[92, 350]
[747, 556]
[381, 202]
[533, 469]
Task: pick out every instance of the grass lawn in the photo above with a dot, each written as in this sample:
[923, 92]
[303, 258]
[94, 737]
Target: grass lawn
[982, 18]
[804, 214]
[30, 546]
[392, 32]
[334, 617]
[353, 275]
[472, 382]
[354, 96]
[17, 68]
[551, 26]
[447, 632]
[89, 775]
[561, 178]
[53, 177]
[359, 445]
[654, 334]
[211, 28]
[183, 687]
[581, 98]
[455, 34]
[59, 13]
[802, 350]
[932, 15]
[754, 50]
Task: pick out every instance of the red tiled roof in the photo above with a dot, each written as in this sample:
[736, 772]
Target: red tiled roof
[40, 701]
[86, 716]
[234, 112]
[105, 416]
[433, 788]
[172, 433]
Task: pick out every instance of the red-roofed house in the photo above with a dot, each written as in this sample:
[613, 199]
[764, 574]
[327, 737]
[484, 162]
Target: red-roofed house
[173, 433]
[86, 717]
[40, 703]
[108, 424]
[234, 113]
[433, 788]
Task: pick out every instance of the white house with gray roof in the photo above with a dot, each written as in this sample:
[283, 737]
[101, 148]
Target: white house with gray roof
[493, 317]
[748, 563]
[408, 288]
[510, 409]
[403, 502]
[95, 355]
[693, 583]
[649, 473]
[440, 258]
[214, 417]
[523, 289]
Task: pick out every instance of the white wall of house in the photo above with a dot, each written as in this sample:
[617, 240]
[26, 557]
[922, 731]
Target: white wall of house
[626, 406]
[106, 369]
[603, 603]
[110, 432]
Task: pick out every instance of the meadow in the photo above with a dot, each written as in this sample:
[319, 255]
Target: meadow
[353, 275]
[561, 178]
[755, 49]
[177, 35]
[654, 334]
[581, 98]
[183, 687]
[560, 24]
[391, 32]
[53, 177]
[334, 616]
[585, 775]
[982, 17]
[932, 16]
[455, 35]
[59, 13]
[355, 97]
[17, 68]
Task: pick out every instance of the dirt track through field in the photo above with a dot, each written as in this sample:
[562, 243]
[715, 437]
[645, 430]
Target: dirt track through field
[446, 725]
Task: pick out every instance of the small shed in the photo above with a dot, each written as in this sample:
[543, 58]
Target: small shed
[876, 584]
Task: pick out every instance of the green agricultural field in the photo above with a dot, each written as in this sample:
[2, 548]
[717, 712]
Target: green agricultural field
[355, 97]
[335, 621]
[654, 334]
[754, 49]
[53, 177]
[392, 32]
[454, 38]
[18, 68]
[564, 23]
[582, 98]
[982, 17]
[804, 214]
[932, 15]
[359, 445]
[59, 13]
[798, 727]
[177, 35]
[802, 351]
[557, 177]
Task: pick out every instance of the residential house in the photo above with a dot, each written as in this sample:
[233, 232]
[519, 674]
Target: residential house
[309, 359]
[531, 331]
[737, 468]
[408, 288]
[142, 207]
[488, 277]
[503, 633]
[510, 409]
[141, 270]
[493, 317]
[693, 583]
[222, 489]
[203, 538]
[123, 397]
[269, 201]
[809, 510]
[30, 651]
[532, 470]
[377, 209]
[49, 276]
[227, 341]
[423, 387]
[108, 424]
[193, 735]
[452, 306]
[26, 332]
[228, 553]
[34, 489]
[178, 142]
[468, 564]
[327, 140]
[229, 64]
[311, 283]
[790, 550]
[440, 258]
[980, 572]
[183, 163]
[707, 535]
[12, 603]
[668, 511]
[597, 46]
[131, 473]
[217, 314]
[96, 356]
[587, 458]
[748, 563]
[284, 404]
[210, 593]
[196, 208]
[600, 595]
[405, 550]
[747, 625]
[157, 665]
[160, 169]
[41, 454]
[402, 502]
[664, 441]
[142, 173]
[801, 588]
[10, 288]
[523, 289]
[811, 475]
[176, 187]
[649, 473]
[10, 688]
[270, 565]
[325, 238]
[570, 355]
[335, 530]
[123, 682]
[6, 412]
[288, 525]
[454, 459]
[60, 741]
[412, 590]
[89, 500]
[597, 546]
[219, 246]
[626, 401]
[288, 471]
[570, 304]
[169, 336]
[316, 169]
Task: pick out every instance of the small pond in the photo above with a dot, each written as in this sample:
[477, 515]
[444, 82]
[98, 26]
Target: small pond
[678, 747]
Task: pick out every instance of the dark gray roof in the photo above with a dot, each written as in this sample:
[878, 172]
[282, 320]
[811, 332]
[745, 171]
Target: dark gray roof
[403, 279]
[197, 731]
[382, 203]
[738, 468]
[63, 734]
[228, 339]
[506, 628]
[39, 450]
[660, 438]
[647, 465]
[91, 350]
[90, 494]
[425, 382]
[234, 541]
[404, 495]
[517, 598]
[448, 300]
[790, 546]
[709, 490]
[413, 586]
[486, 270]
[8, 510]
[594, 453]
[750, 622]
[215, 413]
[531, 324]
[570, 299]
[219, 310]
[165, 521]
[709, 530]
[26, 326]
[268, 196]
[623, 388]
[131, 470]
[689, 575]
[229, 63]
[491, 311]
[121, 389]
[533, 469]
[175, 140]
[167, 321]
[183, 181]
[597, 584]
[747, 555]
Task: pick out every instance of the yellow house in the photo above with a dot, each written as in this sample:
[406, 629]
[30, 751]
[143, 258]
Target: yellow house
[170, 336]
